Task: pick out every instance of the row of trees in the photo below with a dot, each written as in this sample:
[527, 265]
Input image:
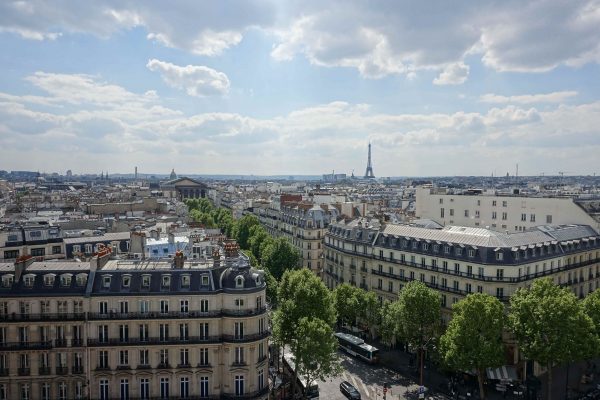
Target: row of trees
[550, 325]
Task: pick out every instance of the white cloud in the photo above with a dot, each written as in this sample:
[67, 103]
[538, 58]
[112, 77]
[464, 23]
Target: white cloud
[453, 74]
[63, 129]
[196, 80]
[554, 97]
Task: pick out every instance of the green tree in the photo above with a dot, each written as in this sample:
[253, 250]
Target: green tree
[419, 318]
[315, 355]
[369, 310]
[591, 305]
[346, 299]
[390, 315]
[301, 294]
[272, 286]
[258, 235]
[279, 256]
[203, 218]
[551, 326]
[242, 232]
[473, 340]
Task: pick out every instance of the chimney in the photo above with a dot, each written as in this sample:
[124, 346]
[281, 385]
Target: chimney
[100, 258]
[216, 255]
[21, 265]
[137, 242]
[171, 238]
[231, 248]
[179, 259]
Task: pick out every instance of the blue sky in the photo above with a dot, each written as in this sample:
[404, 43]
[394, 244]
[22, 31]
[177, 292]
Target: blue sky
[273, 87]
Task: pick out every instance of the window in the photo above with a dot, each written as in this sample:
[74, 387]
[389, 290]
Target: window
[103, 359]
[471, 253]
[205, 280]
[239, 330]
[104, 389]
[548, 219]
[28, 280]
[144, 357]
[466, 213]
[88, 248]
[523, 217]
[468, 287]
[239, 385]
[123, 306]
[239, 282]
[123, 357]
[124, 389]
[49, 280]
[499, 256]
[145, 281]
[504, 216]
[532, 218]
[25, 389]
[261, 379]
[452, 212]
[38, 252]
[164, 356]
[500, 273]
[184, 387]
[81, 279]
[106, 281]
[126, 281]
[204, 356]
[494, 215]
[185, 281]
[184, 359]
[203, 330]
[163, 332]
[239, 355]
[164, 388]
[183, 332]
[183, 306]
[239, 302]
[203, 306]
[204, 386]
[45, 392]
[441, 213]
[165, 282]
[123, 333]
[164, 306]
[144, 306]
[103, 333]
[144, 388]
[500, 292]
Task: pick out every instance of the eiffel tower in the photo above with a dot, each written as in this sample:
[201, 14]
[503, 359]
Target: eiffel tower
[369, 171]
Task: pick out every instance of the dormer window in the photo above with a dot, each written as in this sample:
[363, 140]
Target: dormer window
[459, 251]
[49, 280]
[471, 253]
[166, 281]
[205, 281]
[106, 281]
[126, 281]
[81, 279]
[7, 280]
[65, 280]
[146, 281]
[258, 280]
[239, 282]
[29, 280]
[425, 246]
[447, 249]
[185, 281]
[499, 256]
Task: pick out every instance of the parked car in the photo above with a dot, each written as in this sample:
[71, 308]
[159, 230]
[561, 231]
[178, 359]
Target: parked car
[349, 391]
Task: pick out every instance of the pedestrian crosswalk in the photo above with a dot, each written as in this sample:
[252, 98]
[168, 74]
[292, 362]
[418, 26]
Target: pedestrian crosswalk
[366, 391]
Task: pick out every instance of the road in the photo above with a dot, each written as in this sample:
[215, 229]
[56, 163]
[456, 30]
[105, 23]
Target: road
[369, 380]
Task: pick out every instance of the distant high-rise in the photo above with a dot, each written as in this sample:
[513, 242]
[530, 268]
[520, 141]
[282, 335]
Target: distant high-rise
[369, 171]
[136, 175]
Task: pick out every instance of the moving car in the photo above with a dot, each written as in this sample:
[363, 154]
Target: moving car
[349, 391]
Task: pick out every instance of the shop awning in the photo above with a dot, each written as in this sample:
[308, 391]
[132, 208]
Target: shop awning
[504, 373]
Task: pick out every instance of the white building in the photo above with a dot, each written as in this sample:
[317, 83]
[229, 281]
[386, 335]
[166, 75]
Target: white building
[502, 212]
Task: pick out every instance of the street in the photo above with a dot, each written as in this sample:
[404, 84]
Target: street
[369, 380]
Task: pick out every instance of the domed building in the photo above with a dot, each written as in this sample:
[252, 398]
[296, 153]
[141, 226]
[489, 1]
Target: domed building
[173, 175]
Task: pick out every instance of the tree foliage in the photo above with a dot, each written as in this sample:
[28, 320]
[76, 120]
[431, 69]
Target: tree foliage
[473, 340]
[550, 325]
[419, 317]
[347, 299]
[279, 256]
[369, 310]
[242, 231]
[315, 355]
[390, 316]
[258, 235]
[591, 305]
[272, 287]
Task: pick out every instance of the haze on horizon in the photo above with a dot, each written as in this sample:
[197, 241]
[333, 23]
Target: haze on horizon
[270, 88]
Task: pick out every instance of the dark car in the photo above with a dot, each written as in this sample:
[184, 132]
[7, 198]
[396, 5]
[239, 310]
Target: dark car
[349, 391]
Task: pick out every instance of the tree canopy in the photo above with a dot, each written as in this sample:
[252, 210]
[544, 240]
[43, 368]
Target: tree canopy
[550, 325]
[279, 256]
[347, 300]
[591, 305]
[242, 231]
[473, 340]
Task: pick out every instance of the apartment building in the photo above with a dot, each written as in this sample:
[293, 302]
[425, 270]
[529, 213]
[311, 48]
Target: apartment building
[38, 240]
[112, 329]
[304, 224]
[460, 260]
[503, 212]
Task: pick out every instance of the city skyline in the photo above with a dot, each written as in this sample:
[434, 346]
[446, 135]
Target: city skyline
[272, 88]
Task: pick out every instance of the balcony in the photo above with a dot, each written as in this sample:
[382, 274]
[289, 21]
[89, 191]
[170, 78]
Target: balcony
[246, 338]
[154, 315]
[244, 312]
[4, 371]
[77, 343]
[77, 369]
[144, 366]
[123, 367]
[163, 366]
[26, 345]
[18, 317]
[44, 371]
[154, 341]
[62, 371]
[101, 368]
[252, 395]
[364, 286]
[24, 371]
[60, 343]
[237, 364]
[201, 365]
[185, 365]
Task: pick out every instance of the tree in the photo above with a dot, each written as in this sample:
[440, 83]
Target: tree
[346, 299]
[473, 340]
[419, 317]
[591, 305]
[258, 235]
[272, 286]
[550, 325]
[390, 315]
[279, 256]
[301, 294]
[315, 355]
[242, 233]
[369, 309]
[203, 218]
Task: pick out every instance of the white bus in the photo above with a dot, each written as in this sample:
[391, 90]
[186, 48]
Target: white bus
[312, 391]
[357, 347]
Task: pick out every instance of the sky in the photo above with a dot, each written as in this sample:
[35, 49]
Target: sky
[437, 87]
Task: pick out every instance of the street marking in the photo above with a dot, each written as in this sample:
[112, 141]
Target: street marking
[365, 389]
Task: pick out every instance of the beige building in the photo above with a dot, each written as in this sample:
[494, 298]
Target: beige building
[304, 224]
[110, 329]
[503, 212]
